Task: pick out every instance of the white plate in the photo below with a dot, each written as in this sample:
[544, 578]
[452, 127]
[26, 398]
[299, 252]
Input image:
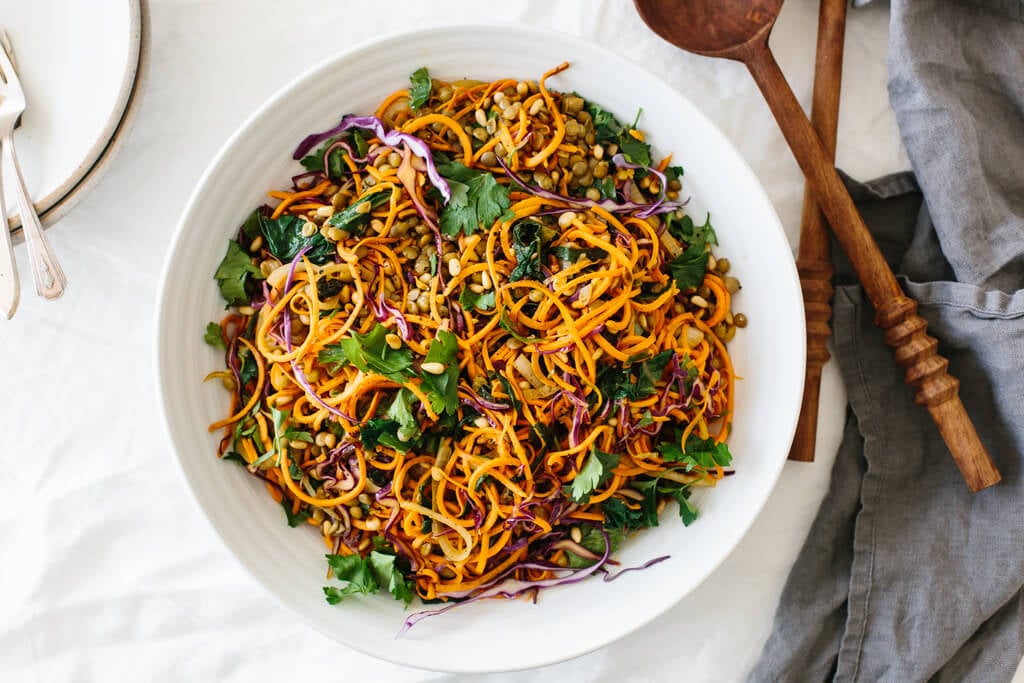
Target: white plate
[77, 62]
[570, 620]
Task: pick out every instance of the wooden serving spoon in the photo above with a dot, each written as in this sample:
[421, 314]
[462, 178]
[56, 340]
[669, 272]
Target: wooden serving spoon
[739, 29]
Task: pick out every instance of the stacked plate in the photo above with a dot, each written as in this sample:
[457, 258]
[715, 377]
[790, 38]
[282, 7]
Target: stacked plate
[81, 65]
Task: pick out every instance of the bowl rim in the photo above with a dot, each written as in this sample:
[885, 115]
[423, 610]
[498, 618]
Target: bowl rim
[572, 42]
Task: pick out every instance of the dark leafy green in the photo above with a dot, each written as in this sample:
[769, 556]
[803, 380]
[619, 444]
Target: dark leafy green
[296, 518]
[400, 411]
[419, 92]
[284, 239]
[384, 432]
[354, 218]
[528, 245]
[619, 383]
[477, 199]
[314, 161]
[617, 515]
[235, 269]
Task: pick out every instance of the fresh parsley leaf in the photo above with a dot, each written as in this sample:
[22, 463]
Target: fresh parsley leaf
[234, 271]
[596, 470]
[354, 221]
[213, 338]
[419, 93]
[703, 453]
[469, 299]
[607, 128]
[400, 411]
[370, 353]
[635, 151]
[688, 513]
[646, 419]
[284, 239]
[247, 369]
[528, 245]
[593, 540]
[606, 186]
[443, 389]
[689, 267]
[314, 161]
[388, 576]
[294, 519]
[380, 431]
[685, 230]
[674, 173]
[617, 515]
[477, 199]
[650, 373]
[356, 575]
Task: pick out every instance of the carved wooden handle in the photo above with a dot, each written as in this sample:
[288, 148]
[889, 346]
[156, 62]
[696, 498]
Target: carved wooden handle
[816, 283]
[937, 390]
[896, 313]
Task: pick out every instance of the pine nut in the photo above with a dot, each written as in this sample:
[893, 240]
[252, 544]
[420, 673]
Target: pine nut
[433, 368]
[393, 340]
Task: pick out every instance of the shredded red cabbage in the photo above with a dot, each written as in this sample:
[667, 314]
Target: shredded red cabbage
[388, 137]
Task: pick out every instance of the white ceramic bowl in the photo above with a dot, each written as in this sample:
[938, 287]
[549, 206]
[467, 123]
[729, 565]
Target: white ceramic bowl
[567, 621]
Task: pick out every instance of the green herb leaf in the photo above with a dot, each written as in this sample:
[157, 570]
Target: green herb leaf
[593, 540]
[570, 255]
[607, 128]
[314, 161]
[689, 268]
[477, 199]
[284, 239]
[596, 470]
[443, 389]
[232, 456]
[419, 93]
[356, 575]
[293, 434]
[468, 299]
[213, 338]
[685, 230]
[400, 411]
[388, 576]
[687, 512]
[702, 453]
[233, 272]
[352, 219]
[674, 173]
[634, 150]
[370, 353]
[506, 324]
[297, 518]
[528, 245]
[385, 432]
[617, 515]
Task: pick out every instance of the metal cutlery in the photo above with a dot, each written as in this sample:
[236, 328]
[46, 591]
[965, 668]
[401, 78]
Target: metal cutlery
[46, 271]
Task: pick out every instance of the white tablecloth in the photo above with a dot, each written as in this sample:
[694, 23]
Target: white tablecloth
[109, 571]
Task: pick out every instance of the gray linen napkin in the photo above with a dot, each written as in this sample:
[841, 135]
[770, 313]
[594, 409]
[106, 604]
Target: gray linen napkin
[905, 576]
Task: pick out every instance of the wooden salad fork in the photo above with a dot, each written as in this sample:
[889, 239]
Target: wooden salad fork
[46, 271]
[813, 260]
[739, 30]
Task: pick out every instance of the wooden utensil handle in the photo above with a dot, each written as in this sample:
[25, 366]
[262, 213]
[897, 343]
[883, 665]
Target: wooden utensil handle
[813, 258]
[896, 313]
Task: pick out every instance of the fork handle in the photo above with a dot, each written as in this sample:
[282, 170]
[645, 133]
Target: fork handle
[10, 288]
[46, 271]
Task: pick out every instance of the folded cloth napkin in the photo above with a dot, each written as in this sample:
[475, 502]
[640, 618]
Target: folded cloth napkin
[905, 576]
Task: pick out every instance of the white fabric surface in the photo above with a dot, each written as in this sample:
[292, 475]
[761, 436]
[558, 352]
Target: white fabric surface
[110, 572]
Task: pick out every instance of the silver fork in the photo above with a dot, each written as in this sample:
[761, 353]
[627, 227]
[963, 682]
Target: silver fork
[46, 271]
